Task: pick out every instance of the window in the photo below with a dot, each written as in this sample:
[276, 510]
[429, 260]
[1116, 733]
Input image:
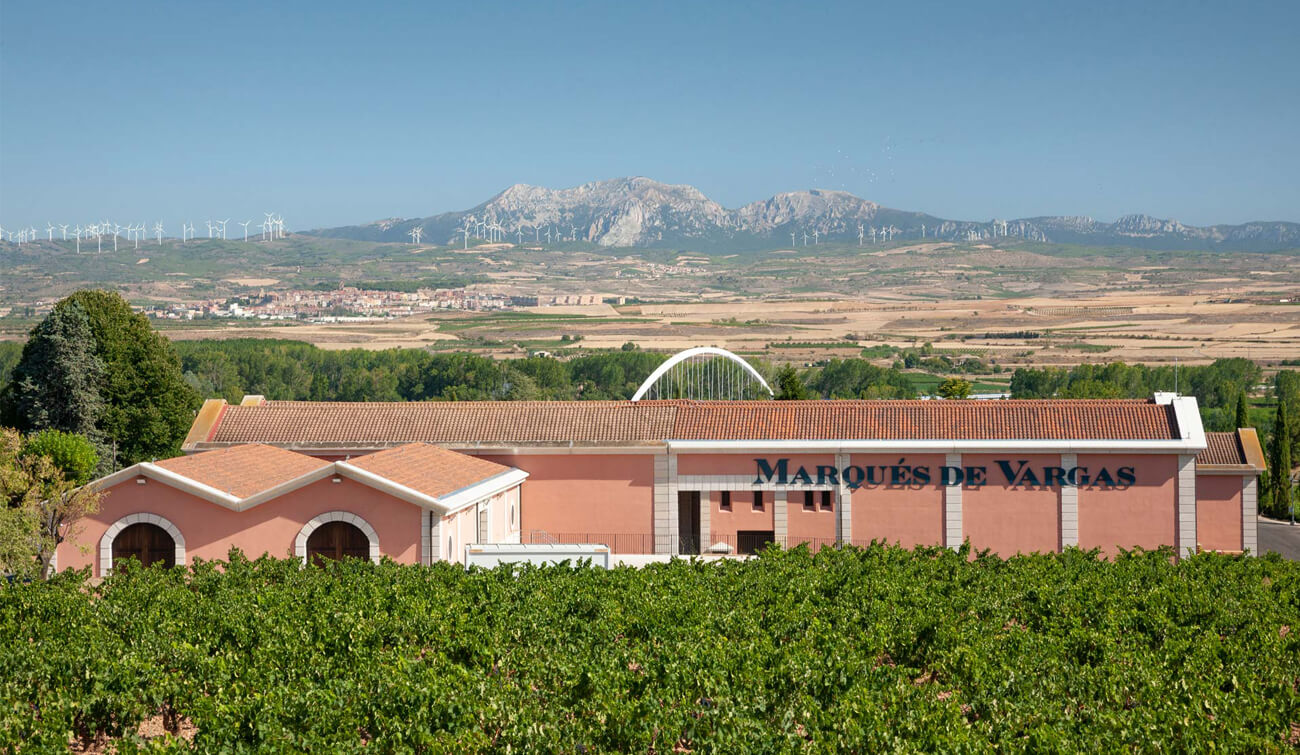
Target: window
[808, 501]
[725, 505]
[827, 505]
[758, 500]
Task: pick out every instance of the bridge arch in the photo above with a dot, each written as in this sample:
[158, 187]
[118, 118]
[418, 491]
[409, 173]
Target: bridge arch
[734, 378]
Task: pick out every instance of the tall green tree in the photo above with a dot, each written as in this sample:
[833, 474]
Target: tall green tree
[147, 405]
[955, 388]
[1243, 411]
[56, 383]
[1280, 461]
[789, 387]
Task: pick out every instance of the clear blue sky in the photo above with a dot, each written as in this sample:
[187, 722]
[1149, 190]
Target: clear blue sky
[342, 112]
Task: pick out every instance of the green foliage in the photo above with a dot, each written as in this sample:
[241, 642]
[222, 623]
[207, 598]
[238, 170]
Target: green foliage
[955, 388]
[1241, 416]
[146, 406]
[1215, 385]
[58, 380]
[867, 650]
[789, 386]
[858, 378]
[1280, 491]
[40, 505]
[73, 455]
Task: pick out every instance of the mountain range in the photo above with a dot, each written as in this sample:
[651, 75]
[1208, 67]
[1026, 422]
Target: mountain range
[640, 212]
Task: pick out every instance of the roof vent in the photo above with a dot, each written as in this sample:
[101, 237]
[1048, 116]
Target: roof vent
[1165, 398]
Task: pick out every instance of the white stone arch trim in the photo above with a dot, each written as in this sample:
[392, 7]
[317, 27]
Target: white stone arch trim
[300, 543]
[115, 529]
[682, 356]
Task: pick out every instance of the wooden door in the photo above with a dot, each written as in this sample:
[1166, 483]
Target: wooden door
[146, 543]
[335, 541]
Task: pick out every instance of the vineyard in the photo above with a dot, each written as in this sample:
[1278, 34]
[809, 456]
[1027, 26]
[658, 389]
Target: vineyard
[853, 650]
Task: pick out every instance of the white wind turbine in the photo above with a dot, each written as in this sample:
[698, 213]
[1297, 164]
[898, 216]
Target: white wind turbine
[817, 235]
[210, 228]
[245, 223]
[49, 231]
[158, 231]
[805, 238]
[279, 225]
[548, 234]
[923, 230]
[519, 236]
[99, 242]
[573, 233]
[63, 229]
[860, 234]
[415, 234]
[222, 224]
[76, 232]
[792, 239]
[266, 225]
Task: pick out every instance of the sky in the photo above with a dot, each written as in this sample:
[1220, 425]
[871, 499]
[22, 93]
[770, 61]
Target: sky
[334, 113]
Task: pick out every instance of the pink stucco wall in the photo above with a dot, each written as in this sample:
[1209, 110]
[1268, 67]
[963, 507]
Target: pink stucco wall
[816, 527]
[1218, 512]
[588, 493]
[1010, 520]
[723, 525]
[211, 530]
[458, 530]
[1140, 515]
[907, 515]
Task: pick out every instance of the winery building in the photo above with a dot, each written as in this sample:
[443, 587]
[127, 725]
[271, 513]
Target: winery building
[421, 481]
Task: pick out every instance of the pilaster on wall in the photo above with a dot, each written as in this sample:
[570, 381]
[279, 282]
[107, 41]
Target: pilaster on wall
[435, 537]
[1069, 505]
[665, 503]
[952, 529]
[781, 516]
[484, 534]
[1186, 519]
[1250, 514]
[844, 522]
[706, 505]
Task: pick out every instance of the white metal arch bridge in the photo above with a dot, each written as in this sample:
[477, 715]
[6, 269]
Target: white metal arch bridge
[704, 373]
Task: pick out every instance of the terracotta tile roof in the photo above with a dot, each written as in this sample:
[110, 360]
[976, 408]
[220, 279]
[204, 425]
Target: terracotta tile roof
[1221, 448]
[428, 469]
[243, 470]
[369, 424]
[617, 423]
[1048, 419]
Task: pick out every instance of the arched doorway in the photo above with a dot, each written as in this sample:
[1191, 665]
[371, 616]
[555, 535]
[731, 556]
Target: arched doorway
[145, 542]
[335, 541]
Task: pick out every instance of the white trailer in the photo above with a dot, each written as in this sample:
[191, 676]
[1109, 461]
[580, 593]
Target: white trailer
[491, 555]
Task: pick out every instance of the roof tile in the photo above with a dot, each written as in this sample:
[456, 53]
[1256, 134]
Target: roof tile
[243, 470]
[431, 470]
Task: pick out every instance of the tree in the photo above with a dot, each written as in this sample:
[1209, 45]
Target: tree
[1280, 461]
[42, 507]
[955, 388]
[1243, 411]
[788, 385]
[148, 406]
[73, 455]
[56, 383]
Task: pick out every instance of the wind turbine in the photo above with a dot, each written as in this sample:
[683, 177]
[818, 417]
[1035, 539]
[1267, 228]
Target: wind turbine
[49, 231]
[537, 233]
[573, 233]
[63, 229]
[415, 234]
[792, 239]
[158, 230]
[817, 237]
[860, 234]
[519, 236]
[222, 223]
[923, 230]
[805, 238]
[548, 234]
[245, 223]
[266, 225]
[77, 233]
[210, 227]
[279, 225]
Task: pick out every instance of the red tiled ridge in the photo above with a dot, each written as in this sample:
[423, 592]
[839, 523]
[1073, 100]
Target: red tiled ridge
[616, 423]
[1026, 419]
[1222, 448]
[243, 470]
[428, 469]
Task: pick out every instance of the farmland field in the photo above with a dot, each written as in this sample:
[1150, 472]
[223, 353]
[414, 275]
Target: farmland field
[853, 650]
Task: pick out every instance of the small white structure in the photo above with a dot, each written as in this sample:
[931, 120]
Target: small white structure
[492, 555]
